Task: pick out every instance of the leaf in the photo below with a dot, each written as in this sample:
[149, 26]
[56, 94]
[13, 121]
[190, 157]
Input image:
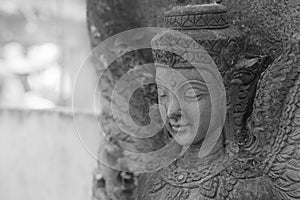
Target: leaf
[282, 183]
[297, 153]
[289, 150]
[293, 175]
[277, 167]
[295, 135]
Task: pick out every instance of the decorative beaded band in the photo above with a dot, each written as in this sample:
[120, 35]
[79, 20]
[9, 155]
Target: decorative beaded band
[197, 17]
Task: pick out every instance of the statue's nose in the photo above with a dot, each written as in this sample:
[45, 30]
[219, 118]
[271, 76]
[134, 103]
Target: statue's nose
[173, 109]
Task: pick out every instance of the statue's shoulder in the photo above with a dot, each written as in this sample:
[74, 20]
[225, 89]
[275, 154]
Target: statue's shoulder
[219, 181]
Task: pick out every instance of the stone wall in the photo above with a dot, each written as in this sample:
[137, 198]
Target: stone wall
[42, 156]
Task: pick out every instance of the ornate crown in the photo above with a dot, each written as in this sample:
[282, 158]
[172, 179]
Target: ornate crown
[208, 26]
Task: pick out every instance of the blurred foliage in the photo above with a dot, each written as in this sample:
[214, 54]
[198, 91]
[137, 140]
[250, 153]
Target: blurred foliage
[42, 43]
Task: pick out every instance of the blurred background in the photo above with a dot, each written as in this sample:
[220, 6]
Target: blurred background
[43, 43]
[42, 46]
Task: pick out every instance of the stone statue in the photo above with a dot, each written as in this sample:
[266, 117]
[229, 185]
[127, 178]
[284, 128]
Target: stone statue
[257, 155]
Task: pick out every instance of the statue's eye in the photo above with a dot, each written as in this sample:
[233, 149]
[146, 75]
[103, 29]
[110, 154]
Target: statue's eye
[161, 93]
[193, 93]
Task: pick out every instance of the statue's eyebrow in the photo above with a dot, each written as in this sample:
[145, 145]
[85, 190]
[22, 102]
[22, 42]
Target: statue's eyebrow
[193, 82]
[160, 82]
[162, 85]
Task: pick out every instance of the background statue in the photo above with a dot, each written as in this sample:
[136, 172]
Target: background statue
[257, 155]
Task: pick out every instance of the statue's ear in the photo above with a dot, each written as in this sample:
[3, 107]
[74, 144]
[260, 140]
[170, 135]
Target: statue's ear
[241, 91]
[213, 138]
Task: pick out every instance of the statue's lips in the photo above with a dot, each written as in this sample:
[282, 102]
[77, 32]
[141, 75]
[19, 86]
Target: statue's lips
[177, 128]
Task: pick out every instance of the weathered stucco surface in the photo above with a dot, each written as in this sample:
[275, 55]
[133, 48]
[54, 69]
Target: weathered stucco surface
[267, 23]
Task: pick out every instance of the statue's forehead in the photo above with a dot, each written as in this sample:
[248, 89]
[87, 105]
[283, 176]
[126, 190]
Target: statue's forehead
[175, 77]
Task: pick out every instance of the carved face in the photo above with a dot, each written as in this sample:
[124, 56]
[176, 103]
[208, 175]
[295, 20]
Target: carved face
[185, 103]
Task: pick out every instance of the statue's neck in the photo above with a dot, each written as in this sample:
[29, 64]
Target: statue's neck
[191, 159]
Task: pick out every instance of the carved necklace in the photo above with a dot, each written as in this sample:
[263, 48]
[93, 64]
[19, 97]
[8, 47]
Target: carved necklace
[183, 175]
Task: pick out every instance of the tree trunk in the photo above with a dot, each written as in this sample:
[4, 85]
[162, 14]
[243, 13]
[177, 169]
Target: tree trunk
[106, 18]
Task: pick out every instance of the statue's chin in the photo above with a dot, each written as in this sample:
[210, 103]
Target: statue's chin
[184, 138]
